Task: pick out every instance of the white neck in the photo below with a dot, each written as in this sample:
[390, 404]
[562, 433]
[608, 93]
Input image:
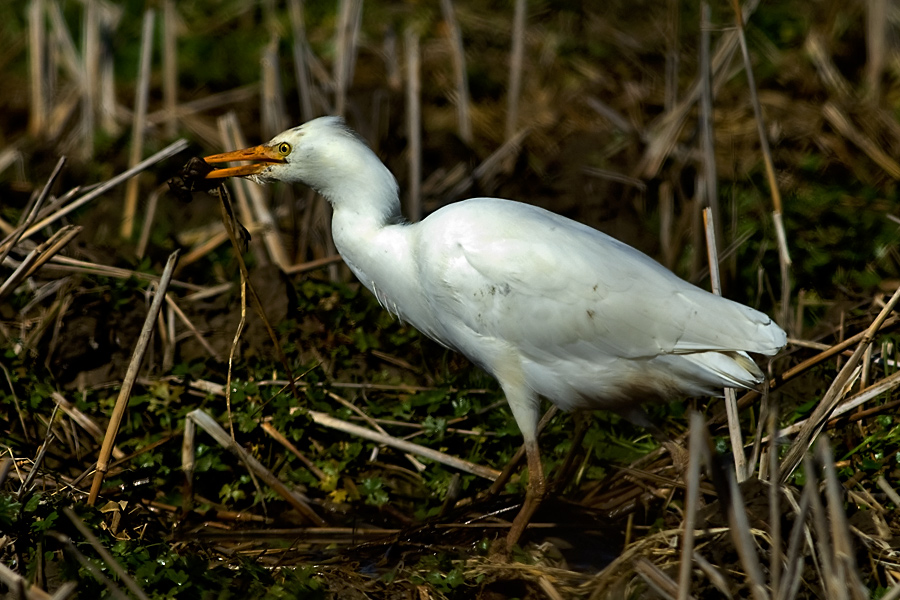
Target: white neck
[370, 234]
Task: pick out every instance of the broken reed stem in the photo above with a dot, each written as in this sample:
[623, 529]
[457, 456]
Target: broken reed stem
[33, 213]
[457, 51]
[826, 405]
[516, 59]
[731, 406]
[131, 374]
[140, 121]
[413, 124]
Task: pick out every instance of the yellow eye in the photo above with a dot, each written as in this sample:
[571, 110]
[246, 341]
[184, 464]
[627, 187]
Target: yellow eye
[284, 148]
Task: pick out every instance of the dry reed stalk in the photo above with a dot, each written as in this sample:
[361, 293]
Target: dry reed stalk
[139, 124]
[349, 12]
[260, 213]
[167, 152]
[130, 376]
[300, 52]
[188, 463]
[170, 300]
[826, 405]
[39, 458]
[842, 124]
[710, 190]
[278, 437]
[110, 15]
[847, 574]
[37, 58]
[238, 95]
[731, 408]
[877, 24]
[293, 497]
[413, 124]
[170, 66]
[101, 550]
[272, 109]
[777, 211]
[673, 20]
[88, 565]
[663, 133]
[30, 215]
[90, 89]
[697, 456]
[457, 52]
[312, 265]
[38, 256]
[326, 420]
[870, 393]
[418, 466]
[149, 216]
[83, 421]
[22, 589]
[516, 60]
[63, 50]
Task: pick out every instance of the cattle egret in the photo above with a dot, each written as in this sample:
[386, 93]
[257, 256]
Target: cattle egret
[548, 306]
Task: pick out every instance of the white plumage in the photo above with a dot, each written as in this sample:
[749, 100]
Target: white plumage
[548, 306]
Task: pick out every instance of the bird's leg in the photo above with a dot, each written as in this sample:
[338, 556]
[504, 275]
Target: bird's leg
[534, 493]
[513, 463]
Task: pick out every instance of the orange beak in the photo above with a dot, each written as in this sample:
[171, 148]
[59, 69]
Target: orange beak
[260, 157]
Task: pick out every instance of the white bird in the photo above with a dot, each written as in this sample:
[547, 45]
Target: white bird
[548, 306]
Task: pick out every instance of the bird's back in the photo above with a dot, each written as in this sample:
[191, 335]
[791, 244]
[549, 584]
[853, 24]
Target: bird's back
[592, 321]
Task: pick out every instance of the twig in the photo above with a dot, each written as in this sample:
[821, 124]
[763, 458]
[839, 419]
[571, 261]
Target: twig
[130, 376]
[294, 498]
[463, 465]
[140, 121]
[278, 437]
[825, 407]
[37, 257]
[88, 565]
[35, 210]
[108, 558]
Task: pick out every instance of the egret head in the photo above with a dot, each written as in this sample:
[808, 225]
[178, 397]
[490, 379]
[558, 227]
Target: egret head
[323, 153]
